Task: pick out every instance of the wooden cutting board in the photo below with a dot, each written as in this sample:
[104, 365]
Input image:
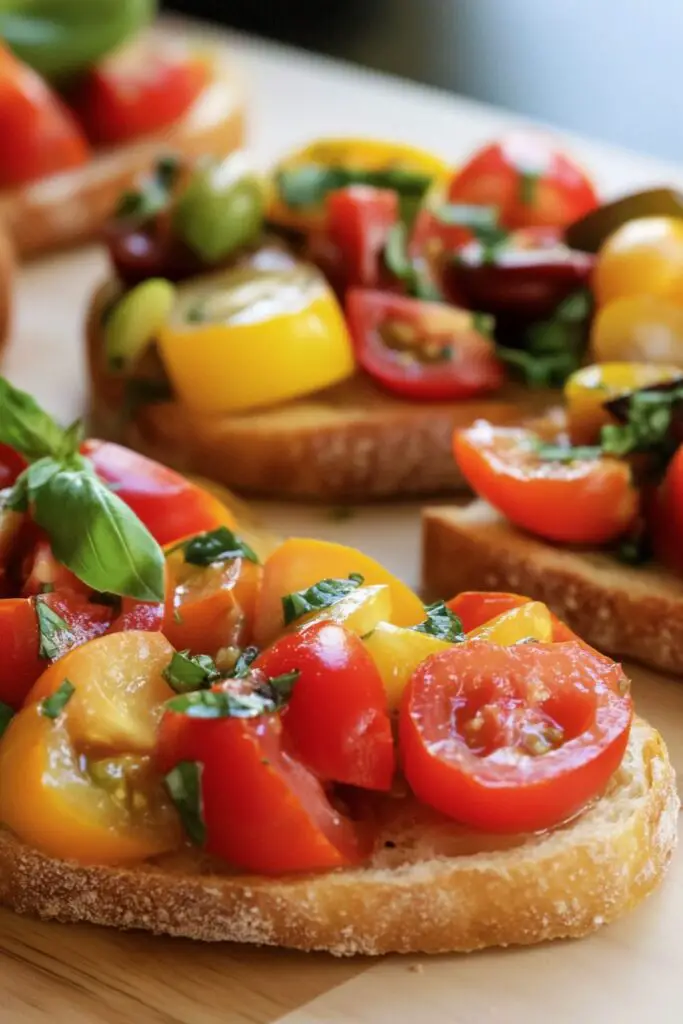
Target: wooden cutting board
[630, 972]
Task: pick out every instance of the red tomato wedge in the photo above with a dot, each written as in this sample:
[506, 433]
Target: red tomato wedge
[263, 811]
[170, 506]
[421, 350]
[581, 501]
[475, 608]
[665, 516]
[41, 136]
[529, 179]
[359, 219]
[11, 465]
[137, 92]
[513, 739]
[337, 717]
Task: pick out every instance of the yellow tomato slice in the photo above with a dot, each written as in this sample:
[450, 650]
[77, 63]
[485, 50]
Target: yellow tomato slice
[531, 620]
[360, 611]
[397, 652]
[300, 562]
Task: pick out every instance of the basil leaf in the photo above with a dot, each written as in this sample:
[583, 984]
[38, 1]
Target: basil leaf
[477, 218]
[241, 669]
[320, 595]
[484, 323]
[442, 623]
[154, 194]
[565, 453]
[52, 706]
[222, 704]
[184, 786]
[54, 633]
[186, 672]
[97, 536]
[283, 685]
[308, 184]
[648, 427]
[415, 280]
[25, 427]
[6, 716]
[219, 545]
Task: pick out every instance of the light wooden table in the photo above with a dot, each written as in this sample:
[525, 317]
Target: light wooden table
[629, 972]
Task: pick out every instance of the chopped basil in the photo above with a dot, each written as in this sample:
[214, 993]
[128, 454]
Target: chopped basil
[412, 275]
[308, 184]
[243, 662]
[528, 187]
[283, 686]
[154, 194]
[186, 672]
[184, 786]
[441, 622]
[321, 595]
[219, 545]
[53, 632]
[481, 221]
[566, 453]
[484, 323]
[649, 418]
[553, 349]
[223, 704]
[52, 706]
[6, 716]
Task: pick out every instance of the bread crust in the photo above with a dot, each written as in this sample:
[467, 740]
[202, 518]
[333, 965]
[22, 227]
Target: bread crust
[413, 897]
[70, 207]
[630, 612]
[352, 442]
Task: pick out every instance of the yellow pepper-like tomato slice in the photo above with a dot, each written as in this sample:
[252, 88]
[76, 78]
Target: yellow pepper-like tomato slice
[349, 154]
[640, 329]
[642, 257]
[78, 781]
[587, 390]
[247, 338]
[299, 563]
[397, 652]
[530, 621]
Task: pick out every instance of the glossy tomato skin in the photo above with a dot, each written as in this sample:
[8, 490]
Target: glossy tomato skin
[583, 501]
[170, 506]
[11, 465]
[263, 810]
[530, 181]
[358, 222]
[336, 718]
[424, 351]
[45, 138]
[664, 513]
[514, 739]
[475, 608]
[136, 93]
[140, 251]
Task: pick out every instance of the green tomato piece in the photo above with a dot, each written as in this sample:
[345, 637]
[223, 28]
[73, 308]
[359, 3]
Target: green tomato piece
[221, 209]
[62, 37]
[135, 320]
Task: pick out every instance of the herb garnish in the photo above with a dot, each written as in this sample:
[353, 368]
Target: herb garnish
[153, 195]
[268, 696]
[6, 716]
[308, 184]
[553, 348]
[54, 633]
[321, 595]
[441, 622]
[186, 672]
[184, 786]
[52, 706]
[647, 424]
[241, 668]
[414, 278]
[219, 545]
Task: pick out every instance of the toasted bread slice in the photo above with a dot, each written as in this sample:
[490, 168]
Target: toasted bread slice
[351, 442]
[431, 887]
[633, 612]
[71, 207]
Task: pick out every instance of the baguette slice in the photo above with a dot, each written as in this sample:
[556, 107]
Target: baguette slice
[630, 612]
[351, 442]
[436, 888]
[70, 207]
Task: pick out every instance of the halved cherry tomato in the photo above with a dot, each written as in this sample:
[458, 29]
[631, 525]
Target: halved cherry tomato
[477, 608]
[421, 350]
[263, 810]
[337, 717]
[514, 739]
[359, 219]
[83, 786]
[665, 516]
[300, 562]
[142, 615]
[528, 179]
[397, 652]
[169, 505]
[11, 465]
[43, 570]
[45, 137]
[21, 664]
[136, 92]
[578, 501]
[642, 257]
[210, 607]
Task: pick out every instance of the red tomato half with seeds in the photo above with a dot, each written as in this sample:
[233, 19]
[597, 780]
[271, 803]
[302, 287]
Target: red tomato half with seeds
[421, 350]
[529, 179]
[514, 739]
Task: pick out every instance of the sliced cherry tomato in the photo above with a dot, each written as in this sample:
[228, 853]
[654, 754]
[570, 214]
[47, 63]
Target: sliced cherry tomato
[528, 179]
[263, 810]
[43, 571]
[45, 138]
[337, 716]
[514, 739]
[665, 516]
[137, 92]
[11, 465]
[359, 219]
[170, 506]
[578, 501]
[210, 607]
[476, 608]
[421, 350]
[642, 257]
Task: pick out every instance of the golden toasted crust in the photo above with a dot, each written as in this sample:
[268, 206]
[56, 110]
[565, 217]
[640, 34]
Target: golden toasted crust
[70, 207]
[435, 888]
[634, 612]
[351, 442]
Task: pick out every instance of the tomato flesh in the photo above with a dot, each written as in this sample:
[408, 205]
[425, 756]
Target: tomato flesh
[336, 718]
[359, 219]
[582, 501]
[513, 739]
[421, 350]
